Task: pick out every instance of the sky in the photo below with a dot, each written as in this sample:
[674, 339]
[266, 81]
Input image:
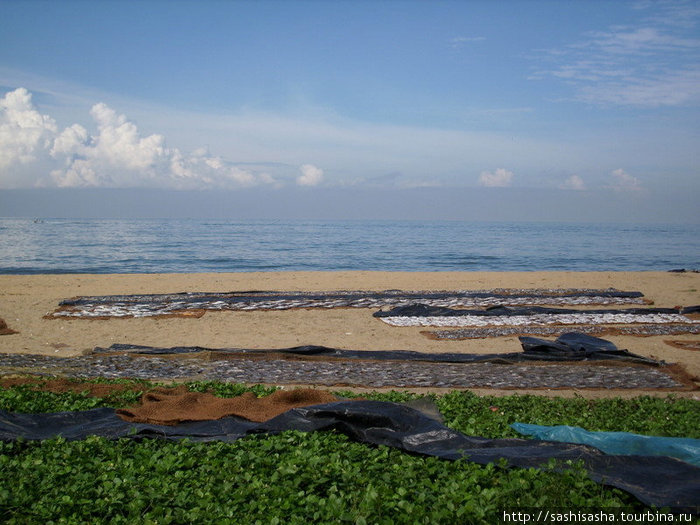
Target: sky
[511, 110]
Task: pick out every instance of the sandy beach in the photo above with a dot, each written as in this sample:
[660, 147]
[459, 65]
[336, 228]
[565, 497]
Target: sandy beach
[24, 300]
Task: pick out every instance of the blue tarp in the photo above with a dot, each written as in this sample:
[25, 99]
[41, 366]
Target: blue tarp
[618, 443]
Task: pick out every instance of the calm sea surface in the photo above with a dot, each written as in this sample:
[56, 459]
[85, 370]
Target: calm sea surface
[149, 246]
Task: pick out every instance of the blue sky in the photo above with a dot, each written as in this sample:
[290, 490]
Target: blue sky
[583, 102]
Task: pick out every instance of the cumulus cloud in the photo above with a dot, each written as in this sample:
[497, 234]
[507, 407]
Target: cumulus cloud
[623, 181]
[499, 178]
[117, 155]
[24, 132]
[574, 182]
[70, 141]
[310, 175]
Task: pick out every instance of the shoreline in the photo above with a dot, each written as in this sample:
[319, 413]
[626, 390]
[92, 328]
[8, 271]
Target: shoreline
[25, 299]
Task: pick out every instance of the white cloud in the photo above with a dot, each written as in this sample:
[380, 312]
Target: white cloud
[461, 41]
[650, 63]
[119, 142]
[116, 156]
[24, 132]
[496, 179]
[670, 89]
[80, 173]
[574, 182]
[310, 175]
[266, 178]
[70, 141]
[623, 181]
[678, 13]
[278, 143]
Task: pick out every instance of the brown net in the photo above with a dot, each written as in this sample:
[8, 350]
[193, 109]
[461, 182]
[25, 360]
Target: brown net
[166, 407]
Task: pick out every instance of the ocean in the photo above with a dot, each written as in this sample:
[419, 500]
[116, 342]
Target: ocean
[173, 245]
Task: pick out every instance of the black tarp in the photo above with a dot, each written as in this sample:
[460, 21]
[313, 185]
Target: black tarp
[658, 481]
[575, 346]
[571, 346]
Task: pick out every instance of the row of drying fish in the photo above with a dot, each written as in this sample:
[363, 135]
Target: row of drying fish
[374, 374]
[169, 304]
[535, 319]
[556, 330]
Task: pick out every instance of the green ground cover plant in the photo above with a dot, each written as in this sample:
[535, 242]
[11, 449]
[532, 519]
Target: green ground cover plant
[318, 477]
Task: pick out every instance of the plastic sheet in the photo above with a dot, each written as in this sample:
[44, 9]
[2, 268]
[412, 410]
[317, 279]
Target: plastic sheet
[621, 443]
[658, 481]
[575, 346]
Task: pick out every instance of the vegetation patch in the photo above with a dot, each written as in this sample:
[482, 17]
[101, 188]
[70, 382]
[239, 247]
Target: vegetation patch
[295, 477]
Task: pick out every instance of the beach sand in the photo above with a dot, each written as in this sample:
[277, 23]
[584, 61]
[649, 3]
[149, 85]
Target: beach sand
[24, 300]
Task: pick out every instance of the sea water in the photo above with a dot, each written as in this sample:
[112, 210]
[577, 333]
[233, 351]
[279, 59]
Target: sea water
[173, 245]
